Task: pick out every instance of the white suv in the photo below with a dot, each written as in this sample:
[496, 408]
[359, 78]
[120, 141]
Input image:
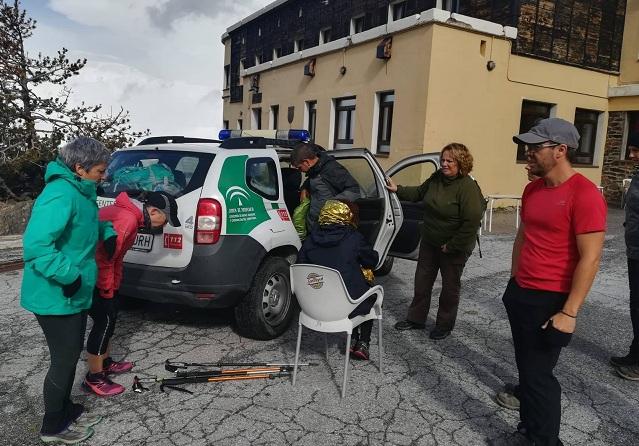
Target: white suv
[236, 242]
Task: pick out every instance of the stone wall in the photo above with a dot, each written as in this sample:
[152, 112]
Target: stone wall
[615, 169]
[14, 217]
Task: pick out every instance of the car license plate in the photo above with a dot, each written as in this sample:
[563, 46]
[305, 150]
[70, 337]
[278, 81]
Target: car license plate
[143, 243]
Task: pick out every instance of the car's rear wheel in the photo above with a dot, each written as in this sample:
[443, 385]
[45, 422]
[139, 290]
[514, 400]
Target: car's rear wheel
[267, 309]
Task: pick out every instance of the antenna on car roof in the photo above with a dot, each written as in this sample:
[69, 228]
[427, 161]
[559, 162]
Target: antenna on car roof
[174, 140]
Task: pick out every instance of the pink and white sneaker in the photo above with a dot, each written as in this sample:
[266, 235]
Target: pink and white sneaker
[112, 367]
[101, 386]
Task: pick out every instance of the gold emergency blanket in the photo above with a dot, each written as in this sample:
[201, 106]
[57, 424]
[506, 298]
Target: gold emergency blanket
[335, 213]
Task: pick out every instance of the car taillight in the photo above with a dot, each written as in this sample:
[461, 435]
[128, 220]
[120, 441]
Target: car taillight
[208, 221]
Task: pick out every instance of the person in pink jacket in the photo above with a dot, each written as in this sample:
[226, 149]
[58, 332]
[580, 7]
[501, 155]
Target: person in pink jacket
[128, 215]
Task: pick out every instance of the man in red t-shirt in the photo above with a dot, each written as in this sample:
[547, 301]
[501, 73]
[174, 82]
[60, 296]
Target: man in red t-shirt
[555, 258]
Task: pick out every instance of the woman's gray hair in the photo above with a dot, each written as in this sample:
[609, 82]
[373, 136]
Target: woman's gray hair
[85, 151]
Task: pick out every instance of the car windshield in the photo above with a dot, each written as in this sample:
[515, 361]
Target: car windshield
[174, 172]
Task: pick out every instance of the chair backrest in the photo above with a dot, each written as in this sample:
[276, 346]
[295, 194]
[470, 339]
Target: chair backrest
[321, 292]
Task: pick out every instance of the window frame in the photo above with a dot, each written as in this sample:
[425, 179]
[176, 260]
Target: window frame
[393, 8]
[274, 112]
[354, 22]
[628, 123]
[350, 109]
[311, 111]
[578, 123]
[383, 146]
[256, 118]
[520, 155]
[323, 33]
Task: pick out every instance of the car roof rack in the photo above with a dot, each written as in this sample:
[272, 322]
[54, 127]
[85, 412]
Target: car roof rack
[174, 140]
[257, 142]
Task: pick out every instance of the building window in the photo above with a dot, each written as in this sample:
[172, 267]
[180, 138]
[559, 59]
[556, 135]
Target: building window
[448, 5]
[357, 24]
[396, 11]
[259, 32]
[344, 122]
[298, 45]
[385, 123]
[531, 113]
[586, 122]
[325, 36]
[225, 124]
[261, 177]
[227, 76]
[277, 53]
[256, 119]
[258, 59]
[632, 121]
[300, 13]
[242, 63]
[239, 124]
[311, 111]
[273, 117]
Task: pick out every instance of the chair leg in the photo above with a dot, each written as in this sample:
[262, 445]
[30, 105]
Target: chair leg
[347, 355]
[379, 341]
[297, 352]
[326, 345]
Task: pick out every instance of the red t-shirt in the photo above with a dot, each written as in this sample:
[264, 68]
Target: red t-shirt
[552, 217]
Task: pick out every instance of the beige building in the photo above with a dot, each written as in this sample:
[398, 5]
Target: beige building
[445, 77]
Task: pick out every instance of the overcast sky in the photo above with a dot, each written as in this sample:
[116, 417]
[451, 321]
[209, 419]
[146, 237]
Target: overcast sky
[160, 59]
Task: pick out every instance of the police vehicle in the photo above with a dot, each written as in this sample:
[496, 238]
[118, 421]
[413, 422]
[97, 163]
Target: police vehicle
[236, 196]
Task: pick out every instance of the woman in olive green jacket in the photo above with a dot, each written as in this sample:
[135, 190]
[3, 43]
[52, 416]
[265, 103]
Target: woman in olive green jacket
[60, 273]
[452, 215]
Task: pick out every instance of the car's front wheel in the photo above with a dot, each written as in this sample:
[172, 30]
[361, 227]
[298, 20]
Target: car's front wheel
[268, 307]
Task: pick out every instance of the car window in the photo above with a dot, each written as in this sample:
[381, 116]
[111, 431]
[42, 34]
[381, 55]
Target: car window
[261, 177]
[361, 170]
[414, 174]
[174, 172]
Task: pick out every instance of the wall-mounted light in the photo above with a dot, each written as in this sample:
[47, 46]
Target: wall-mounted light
[342, 70]
[309, 68]
[384, 48]
[490, 65]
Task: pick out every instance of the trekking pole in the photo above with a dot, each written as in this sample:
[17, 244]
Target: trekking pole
[174, 366]
[172, 383]
[233, 372]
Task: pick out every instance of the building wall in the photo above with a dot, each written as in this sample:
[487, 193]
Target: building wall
[615, 167]
[481, 108]
[406, 73]
[630, 51]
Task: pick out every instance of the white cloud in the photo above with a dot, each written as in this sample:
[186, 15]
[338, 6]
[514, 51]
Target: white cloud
[160, 59]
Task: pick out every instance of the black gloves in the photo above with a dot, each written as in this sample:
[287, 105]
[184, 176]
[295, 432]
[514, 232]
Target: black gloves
[72, 288]
[109, 246]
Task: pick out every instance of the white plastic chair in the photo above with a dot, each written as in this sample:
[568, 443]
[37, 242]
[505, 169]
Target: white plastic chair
[326, 304]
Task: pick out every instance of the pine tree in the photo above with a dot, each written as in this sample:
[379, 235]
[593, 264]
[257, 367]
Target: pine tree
[33, 125]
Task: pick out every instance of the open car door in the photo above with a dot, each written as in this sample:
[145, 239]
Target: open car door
[411, 171]
[379, 219]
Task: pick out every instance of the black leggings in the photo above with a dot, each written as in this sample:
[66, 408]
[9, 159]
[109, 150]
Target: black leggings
[104, 313]
[65, 339]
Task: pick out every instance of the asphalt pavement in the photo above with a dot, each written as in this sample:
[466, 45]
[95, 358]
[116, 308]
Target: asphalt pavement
[431, 392]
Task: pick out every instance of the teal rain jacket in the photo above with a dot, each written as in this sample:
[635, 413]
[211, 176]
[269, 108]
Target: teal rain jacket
[59, 243]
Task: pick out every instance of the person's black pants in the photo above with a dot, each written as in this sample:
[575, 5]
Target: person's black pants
[539, 390]
[104, 313]
[65, 339]
[431, 261]
[633, 282]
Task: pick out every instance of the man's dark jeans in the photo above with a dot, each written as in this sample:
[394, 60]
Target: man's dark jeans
[431, 261]
[633, 281]
[539, 390]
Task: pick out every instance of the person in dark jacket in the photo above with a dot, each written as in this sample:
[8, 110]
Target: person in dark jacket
[452, 215]
[326, 179]
[59, 276]
[150, 210]
[337, 244]
[628, 366]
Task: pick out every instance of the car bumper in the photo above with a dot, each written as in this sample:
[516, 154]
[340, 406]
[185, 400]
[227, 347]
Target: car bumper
[218, 276]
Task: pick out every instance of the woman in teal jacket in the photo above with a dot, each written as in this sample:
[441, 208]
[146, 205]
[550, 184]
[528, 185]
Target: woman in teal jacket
[60, 273]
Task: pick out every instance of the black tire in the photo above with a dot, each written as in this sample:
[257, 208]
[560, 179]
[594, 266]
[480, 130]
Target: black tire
[268, 307]
[386, 267]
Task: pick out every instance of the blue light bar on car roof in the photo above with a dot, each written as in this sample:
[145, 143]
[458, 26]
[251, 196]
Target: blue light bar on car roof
[296, 135]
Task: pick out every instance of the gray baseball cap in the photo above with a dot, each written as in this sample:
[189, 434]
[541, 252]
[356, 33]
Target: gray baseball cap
[551, 129]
